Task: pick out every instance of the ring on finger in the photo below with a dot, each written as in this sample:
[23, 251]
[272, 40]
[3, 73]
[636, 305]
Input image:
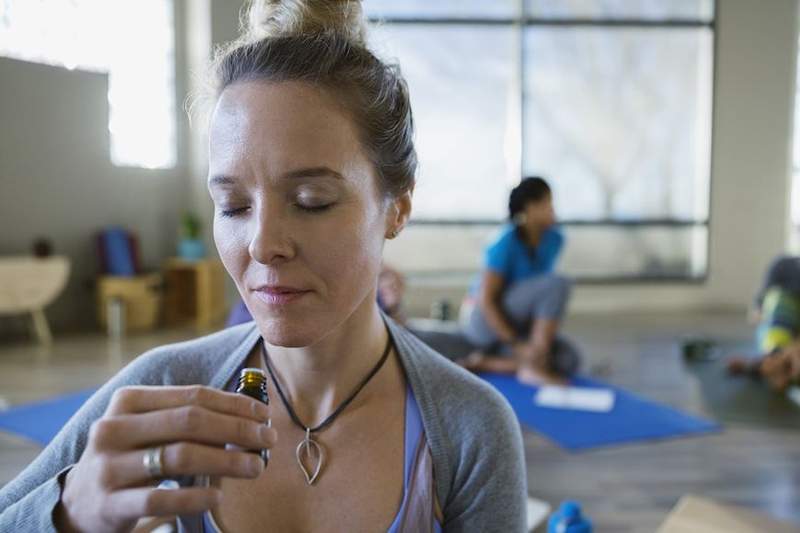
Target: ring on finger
[153, 462]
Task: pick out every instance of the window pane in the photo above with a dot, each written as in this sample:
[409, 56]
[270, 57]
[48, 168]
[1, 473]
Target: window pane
[795, 202]
[105, 36]
[491, 9]
[619, 120]
[591, 252]
[141, 91]
[460, 79]
[639, 252]
[700, 10]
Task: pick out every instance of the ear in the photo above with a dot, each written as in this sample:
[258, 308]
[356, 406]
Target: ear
[398, 213]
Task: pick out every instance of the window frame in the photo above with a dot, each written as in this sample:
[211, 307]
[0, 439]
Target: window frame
[524, 21]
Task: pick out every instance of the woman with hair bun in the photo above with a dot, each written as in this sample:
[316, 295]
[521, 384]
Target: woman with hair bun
[519, 300]
[311, 169]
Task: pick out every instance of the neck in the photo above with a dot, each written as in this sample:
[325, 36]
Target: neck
[316, 379]
[533, 234]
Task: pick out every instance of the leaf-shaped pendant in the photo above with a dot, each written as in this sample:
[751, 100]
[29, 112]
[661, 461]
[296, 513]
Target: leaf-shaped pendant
[309, 447]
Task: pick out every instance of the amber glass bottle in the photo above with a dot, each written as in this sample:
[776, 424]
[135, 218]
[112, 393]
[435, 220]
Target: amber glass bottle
[253, 383]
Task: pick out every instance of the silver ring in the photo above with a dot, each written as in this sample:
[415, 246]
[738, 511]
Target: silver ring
[152, 461]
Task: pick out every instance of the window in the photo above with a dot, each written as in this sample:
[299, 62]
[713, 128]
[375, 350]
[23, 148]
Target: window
[795, 195]
[459, 78]
[131, 40]
[610, 100]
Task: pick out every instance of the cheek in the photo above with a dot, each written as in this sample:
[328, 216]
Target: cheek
[232, 246]
[347, 250]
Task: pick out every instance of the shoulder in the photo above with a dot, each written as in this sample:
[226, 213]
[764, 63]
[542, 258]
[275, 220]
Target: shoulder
[474, 439]
[505, 239]
[506, 234]
[444, 388]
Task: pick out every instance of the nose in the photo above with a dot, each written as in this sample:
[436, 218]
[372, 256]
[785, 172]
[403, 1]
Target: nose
[271, 243]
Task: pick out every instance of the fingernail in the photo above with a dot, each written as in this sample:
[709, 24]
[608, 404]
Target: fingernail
[255, 465]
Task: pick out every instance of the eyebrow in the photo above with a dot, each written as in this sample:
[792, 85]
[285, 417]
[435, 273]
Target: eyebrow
[313, 172]
[310, 172]
[221, 180]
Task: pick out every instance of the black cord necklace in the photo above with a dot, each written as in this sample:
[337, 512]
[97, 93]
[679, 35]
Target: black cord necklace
[308, 443]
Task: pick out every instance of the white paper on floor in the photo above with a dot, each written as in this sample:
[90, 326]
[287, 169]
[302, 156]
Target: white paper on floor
[577, 398]
[538, 511]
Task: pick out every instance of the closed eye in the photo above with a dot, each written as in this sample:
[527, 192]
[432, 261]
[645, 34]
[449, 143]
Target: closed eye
[314, 208]
[232, 212]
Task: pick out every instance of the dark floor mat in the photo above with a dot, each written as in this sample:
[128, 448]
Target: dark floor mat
[742, 399]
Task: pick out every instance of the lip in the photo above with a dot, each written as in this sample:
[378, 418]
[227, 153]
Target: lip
[279, 295]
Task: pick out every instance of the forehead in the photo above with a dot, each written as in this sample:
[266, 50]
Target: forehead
[281, 125]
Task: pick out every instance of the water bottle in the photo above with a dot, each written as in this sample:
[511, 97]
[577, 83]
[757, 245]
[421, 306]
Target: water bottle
[115, 317]
[568, 519]
[440, 310]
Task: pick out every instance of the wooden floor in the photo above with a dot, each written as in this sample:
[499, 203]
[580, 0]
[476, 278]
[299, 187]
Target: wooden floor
[623, 489]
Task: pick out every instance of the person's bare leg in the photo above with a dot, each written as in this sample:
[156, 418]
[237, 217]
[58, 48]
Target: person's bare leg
[484, 362]
[532, 358]
[739, 365]
[782, 369]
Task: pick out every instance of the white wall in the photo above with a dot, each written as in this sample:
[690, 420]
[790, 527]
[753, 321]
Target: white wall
[57, 181]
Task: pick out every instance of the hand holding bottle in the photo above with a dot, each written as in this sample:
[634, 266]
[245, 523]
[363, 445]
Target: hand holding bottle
[150, 433]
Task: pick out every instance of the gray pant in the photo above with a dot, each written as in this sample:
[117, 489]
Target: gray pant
[540, 297]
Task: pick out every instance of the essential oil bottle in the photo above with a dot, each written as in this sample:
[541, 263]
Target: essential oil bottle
[253, 383]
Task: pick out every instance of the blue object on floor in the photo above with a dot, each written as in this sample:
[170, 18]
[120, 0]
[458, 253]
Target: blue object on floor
[40, 421]
[632, 419]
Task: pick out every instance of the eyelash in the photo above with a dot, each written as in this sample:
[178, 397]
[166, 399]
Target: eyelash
[229, 213]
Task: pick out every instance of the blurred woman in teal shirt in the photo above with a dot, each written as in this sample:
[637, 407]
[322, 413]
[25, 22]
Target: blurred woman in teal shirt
[519, 302]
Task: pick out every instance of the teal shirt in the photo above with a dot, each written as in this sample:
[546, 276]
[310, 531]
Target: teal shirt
[515, 260]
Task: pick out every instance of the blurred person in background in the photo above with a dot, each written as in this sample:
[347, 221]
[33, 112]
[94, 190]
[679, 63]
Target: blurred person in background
[516, 308]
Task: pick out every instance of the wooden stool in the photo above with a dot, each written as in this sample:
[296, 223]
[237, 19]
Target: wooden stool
[195, 292]
[141, 296]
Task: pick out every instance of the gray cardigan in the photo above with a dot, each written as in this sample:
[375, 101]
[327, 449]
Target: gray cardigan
[474, 437]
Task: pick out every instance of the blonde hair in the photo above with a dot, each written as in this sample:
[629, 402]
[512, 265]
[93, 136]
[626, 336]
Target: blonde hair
[323, 42]
[272, 18]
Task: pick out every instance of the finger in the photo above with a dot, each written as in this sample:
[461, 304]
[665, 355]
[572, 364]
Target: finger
[136, 503]
[142, 399]
[180, 459]
[189, 423]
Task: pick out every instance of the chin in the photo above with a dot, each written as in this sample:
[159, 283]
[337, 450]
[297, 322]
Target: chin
[290, 333]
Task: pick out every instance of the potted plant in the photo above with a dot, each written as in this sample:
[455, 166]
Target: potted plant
[191, 245]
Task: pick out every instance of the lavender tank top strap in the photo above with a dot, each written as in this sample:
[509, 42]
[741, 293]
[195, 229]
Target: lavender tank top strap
[416, 513]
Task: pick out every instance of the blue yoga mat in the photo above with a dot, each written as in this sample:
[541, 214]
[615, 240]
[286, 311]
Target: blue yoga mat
[632, 418]
[40, 421]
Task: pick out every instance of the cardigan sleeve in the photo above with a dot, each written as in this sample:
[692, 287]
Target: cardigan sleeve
[489, 490]
[27, 501]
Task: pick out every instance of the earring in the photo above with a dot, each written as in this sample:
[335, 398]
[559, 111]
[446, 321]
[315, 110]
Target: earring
[392, 234]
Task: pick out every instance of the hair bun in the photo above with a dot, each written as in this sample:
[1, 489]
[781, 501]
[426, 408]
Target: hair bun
[286, 18]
